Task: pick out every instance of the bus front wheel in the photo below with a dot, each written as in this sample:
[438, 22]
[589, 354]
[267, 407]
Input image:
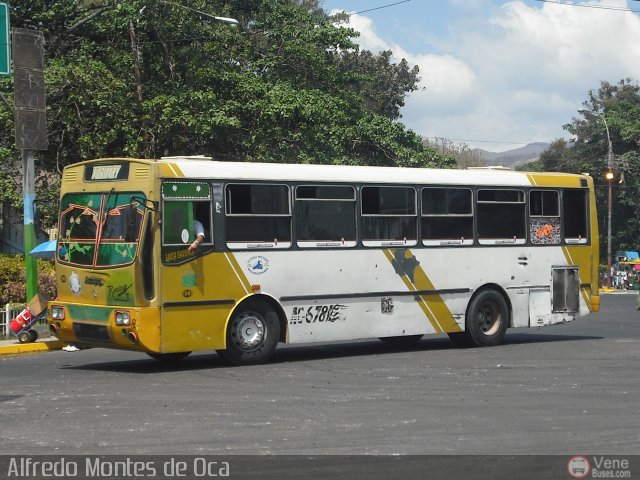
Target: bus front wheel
[486, 323]
[252, 334]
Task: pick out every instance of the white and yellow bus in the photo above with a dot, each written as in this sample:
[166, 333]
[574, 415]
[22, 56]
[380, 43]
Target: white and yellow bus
[315, 253]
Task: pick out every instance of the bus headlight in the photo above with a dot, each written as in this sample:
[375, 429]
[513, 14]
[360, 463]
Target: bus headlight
[122, 318]
[57, 312]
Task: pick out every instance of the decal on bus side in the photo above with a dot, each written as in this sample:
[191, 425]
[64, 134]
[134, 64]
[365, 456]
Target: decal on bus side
[407, 266]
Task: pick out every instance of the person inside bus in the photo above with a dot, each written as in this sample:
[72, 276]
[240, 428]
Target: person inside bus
[198, 228]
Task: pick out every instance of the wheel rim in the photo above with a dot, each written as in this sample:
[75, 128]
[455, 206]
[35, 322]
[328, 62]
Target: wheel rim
[250, 330]
[489, 318]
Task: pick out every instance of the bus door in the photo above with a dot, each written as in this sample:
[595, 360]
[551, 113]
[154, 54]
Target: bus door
[185, 292]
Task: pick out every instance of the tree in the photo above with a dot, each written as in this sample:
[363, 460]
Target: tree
[553, 159]
[290, 85]
[619, 106]
[463, 156]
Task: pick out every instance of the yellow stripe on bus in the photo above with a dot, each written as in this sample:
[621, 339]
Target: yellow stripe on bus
[580, 256]
[554, 180]
[168, 170]
[432, 305]
[235, 266]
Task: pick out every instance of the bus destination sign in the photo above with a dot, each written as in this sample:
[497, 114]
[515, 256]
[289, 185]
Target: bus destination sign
[101, 173]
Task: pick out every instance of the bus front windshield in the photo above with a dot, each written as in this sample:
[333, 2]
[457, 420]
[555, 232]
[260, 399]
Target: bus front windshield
[100, 229]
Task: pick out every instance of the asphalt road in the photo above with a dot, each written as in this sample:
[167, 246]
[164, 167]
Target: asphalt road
[568, 389]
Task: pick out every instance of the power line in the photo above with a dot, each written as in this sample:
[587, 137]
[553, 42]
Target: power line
[379, 8]
[601, 7]
[481, 141]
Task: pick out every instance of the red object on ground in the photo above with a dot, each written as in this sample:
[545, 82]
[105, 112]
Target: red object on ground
[23, 320]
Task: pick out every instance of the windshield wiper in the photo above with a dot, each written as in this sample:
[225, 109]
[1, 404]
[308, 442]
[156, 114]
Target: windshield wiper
[103, 220]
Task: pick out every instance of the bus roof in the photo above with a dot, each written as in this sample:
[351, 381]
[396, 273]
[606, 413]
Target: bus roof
[203, 168]
[199, 167]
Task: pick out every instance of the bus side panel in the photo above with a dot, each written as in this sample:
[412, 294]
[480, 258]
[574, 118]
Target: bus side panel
[197, 299]
[350, 294]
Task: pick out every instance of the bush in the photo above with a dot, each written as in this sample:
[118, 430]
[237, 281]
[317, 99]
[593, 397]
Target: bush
[13, 279]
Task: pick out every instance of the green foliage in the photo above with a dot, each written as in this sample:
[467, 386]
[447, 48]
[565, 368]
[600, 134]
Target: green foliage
[12, 279]
[289, 85]
[616, 107]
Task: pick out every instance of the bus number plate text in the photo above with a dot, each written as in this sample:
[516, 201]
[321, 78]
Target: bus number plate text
[318, 314]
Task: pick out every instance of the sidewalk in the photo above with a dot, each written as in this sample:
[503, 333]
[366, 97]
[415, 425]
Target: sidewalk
[45, 343]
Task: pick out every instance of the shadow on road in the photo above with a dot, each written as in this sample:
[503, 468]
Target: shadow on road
[304, 353]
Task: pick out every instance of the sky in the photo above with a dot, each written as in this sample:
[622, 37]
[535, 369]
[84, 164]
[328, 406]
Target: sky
[496, 74]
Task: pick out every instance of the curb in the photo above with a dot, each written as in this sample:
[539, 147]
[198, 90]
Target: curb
[42, 346]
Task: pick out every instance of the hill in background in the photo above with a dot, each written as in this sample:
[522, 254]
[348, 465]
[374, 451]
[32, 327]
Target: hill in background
[515, 157]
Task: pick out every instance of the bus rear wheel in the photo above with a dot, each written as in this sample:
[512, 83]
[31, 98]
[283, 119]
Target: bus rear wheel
[252, 334]
[486, 322]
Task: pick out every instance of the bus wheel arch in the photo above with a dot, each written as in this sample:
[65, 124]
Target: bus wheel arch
[253, 331]
[488, 315]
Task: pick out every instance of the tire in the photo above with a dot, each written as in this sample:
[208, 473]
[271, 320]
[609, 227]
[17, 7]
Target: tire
[402, 341]
[486, 323]
[168, 357]
[24, 337]
[33, 335]
[252, 334]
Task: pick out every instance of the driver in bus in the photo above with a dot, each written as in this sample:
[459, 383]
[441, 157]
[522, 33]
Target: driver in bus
[199, 231]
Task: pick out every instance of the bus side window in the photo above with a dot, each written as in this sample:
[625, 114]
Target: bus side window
[179, 222]
[325, 216]
[389, 216]
[575, 215]
[257, 216]
[202, 213]
[501, 217]
[447, 216]
[544, 217]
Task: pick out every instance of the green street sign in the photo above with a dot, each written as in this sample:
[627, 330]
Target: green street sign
[5, 43]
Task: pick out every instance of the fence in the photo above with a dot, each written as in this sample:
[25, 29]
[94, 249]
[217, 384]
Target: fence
[9, 312]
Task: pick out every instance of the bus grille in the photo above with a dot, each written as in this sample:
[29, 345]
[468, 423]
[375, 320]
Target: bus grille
[565, 289]
[141, 172]
[71, 175]
[86, 331]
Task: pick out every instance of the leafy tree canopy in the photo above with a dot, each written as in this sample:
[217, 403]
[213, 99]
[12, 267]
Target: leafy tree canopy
[289, 85]
[610, 112]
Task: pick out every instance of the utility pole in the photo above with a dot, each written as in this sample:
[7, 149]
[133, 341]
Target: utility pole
[609, 179]
[31, 131]
[610, 194]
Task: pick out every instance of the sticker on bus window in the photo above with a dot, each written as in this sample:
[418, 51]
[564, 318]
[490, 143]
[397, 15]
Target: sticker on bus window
[544, 230]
